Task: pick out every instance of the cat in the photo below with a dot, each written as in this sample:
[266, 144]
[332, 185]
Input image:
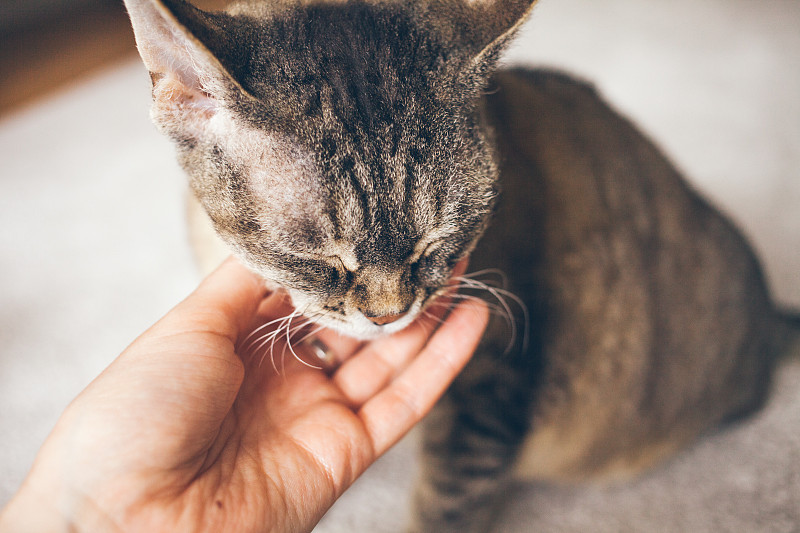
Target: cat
[355, 152]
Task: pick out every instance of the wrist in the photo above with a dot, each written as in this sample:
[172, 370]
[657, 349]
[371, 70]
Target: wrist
[46, 503]
[32, 510]
[38, 510]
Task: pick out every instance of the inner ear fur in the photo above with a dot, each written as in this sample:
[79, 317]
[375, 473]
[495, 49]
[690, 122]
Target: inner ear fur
[182, 47]
[496, 22]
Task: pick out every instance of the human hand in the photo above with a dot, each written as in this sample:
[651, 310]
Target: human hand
[181, 433]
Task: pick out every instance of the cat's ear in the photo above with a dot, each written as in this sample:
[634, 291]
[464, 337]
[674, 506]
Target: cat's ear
[184, 50]
[492, 24]
[483, 29]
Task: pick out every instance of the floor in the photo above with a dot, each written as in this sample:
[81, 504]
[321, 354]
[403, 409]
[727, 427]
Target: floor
[94, 248]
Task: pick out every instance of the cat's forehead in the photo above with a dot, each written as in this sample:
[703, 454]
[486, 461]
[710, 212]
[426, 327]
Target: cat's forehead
[283, 182]
[341, 62]
[369, 210]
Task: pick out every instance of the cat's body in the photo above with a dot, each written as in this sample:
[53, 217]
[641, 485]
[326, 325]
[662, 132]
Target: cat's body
[357, 171]
[650, 319]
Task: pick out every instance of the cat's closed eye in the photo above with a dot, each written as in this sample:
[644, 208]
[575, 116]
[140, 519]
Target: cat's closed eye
[341, 276]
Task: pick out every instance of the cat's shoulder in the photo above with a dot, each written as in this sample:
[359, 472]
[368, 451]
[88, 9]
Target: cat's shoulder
[518, 94]
[544, 80]
[542, 99]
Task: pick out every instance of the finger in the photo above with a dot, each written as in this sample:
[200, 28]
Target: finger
[460, 268]
[377, 363]
[344, 348]
[391, 414]
[341, 347]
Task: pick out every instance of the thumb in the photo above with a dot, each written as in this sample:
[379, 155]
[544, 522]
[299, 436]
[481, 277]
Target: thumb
[190, 351]
[224, 303]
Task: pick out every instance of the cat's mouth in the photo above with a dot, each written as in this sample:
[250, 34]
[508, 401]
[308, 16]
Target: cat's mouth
[359, 325]
[392, 323]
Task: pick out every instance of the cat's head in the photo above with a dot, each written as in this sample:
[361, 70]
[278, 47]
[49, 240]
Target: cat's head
[337, 147]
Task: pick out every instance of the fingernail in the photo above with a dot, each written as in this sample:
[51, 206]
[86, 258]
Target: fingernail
[321, 352]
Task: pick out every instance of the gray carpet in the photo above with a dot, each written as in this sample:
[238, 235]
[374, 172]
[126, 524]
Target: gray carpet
[94, 248]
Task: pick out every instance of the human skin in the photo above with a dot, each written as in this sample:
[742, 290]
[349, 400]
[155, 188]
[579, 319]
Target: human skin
[182, 433]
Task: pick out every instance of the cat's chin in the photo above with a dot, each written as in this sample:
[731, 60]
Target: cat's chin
[365, 330]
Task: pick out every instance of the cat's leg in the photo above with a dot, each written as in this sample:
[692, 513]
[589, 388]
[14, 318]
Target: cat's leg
[470, 441]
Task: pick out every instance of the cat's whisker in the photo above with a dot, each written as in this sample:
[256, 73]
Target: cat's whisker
[289, 332]
[493, 308]
[286, 328]
[310, 334]
[271, 339]
[488, 271]
[255, 344]
[287, 339]
[260, 342]
[507, 312]
[286, 325]
[501, 296]
[247, 342]
[431, 316]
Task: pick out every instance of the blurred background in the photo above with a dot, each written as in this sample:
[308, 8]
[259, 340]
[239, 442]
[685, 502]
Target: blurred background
[47, 43]
[93, 246]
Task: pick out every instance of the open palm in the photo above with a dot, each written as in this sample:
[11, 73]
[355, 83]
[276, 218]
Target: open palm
[182, 433]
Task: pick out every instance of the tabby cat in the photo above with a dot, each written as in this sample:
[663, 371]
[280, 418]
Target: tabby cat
[354, 152]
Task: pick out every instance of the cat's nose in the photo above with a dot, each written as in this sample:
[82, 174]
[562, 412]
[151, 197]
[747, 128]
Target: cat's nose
[384, 319]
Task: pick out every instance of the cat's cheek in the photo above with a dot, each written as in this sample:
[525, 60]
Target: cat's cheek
[180, 112]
